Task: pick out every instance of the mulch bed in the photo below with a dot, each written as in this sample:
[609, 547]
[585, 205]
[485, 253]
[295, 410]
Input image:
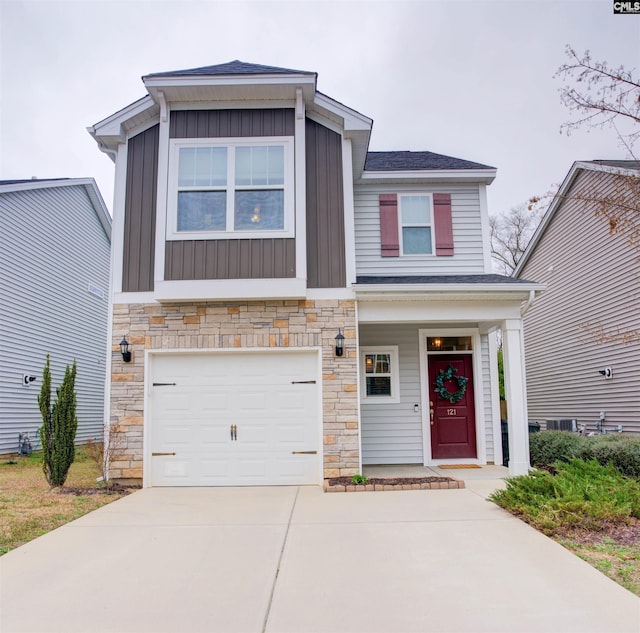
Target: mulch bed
[345, 484]
[114, 489]
[620, 533]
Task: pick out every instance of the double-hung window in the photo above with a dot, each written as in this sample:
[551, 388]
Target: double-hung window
[221, 188]
[416, 224]
[380, 374]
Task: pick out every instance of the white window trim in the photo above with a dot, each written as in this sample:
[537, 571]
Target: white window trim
[430, 224]
[175, 145]
[394, 398]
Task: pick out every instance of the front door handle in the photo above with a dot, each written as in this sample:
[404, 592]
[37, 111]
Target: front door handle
[431, 414]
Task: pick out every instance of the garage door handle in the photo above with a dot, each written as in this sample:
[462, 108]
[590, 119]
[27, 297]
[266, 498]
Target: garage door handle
[159, 454]
[304, 452]
[234, 432]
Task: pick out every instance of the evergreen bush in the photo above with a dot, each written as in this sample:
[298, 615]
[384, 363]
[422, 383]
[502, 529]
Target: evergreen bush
[59, 425]
[550, 447]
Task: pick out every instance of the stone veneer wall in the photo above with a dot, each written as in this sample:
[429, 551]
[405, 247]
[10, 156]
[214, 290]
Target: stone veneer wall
[228, 325]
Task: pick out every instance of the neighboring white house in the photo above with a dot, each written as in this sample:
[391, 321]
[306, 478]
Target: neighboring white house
[55, 238]
[582, 336]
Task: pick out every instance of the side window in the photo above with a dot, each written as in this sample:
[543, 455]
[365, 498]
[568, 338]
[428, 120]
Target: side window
[380, 380]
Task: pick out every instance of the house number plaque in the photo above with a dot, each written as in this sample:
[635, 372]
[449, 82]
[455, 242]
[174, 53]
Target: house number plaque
[451, 412]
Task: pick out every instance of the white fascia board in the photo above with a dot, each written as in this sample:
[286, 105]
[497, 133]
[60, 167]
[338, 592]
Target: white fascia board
[164, 81]
[120, 298]
[245, 104]
[484, 176]
[471, 311]
[112, 126]
[465, 292]
[352, 120]
[567, 183]
[230, 289]
[265, 85]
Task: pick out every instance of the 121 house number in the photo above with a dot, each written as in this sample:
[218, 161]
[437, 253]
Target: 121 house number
[451, 412]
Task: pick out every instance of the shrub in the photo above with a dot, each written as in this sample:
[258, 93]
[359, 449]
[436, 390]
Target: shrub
[623, 451]
[581, 493]
[550, 447]
[59, 424]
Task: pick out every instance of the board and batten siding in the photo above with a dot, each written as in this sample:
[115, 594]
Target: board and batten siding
[325, 208]
[232, 258]
[578, 325]
[392, 433]
[52, 246]
[140, 212]
[468, 257]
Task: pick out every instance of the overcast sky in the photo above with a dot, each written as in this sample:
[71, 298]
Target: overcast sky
[467, 79]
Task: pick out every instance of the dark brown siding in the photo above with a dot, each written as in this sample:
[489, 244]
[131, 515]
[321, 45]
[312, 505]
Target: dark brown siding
[325, 208]
[230, 259]
[140, 212]
[223, 123]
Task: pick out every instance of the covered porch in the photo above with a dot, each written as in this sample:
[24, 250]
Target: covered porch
[429, 371]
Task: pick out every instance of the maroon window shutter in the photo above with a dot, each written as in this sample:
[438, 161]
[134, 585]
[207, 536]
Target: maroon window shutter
[442, 221]
[389, 225]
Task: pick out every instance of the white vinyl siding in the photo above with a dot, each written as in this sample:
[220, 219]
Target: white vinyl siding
[487, 383]
[591, 277]
[468, 257]
[392, 432]
[52, 246]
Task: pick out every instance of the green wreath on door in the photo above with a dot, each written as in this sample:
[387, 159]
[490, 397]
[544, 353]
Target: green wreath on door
[445, 375]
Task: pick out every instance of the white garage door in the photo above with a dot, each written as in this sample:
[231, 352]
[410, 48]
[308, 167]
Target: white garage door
[233, 419]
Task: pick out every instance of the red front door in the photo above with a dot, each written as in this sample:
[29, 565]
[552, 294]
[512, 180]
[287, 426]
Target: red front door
[452, 415]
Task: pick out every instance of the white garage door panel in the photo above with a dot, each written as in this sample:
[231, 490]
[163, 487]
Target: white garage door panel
[274, 419]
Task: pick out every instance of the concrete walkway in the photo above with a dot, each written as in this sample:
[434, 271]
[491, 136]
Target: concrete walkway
[296, 560]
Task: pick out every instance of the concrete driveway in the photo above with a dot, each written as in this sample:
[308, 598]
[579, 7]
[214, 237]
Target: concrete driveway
[295, 560]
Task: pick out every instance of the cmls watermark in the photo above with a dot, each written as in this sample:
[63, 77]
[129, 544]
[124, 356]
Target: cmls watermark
[622, 7]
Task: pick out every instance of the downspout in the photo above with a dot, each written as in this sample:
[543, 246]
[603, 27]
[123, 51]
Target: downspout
[527, 304]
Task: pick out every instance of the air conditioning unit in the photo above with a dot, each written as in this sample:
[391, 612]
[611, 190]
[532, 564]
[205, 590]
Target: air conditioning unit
[562, 424]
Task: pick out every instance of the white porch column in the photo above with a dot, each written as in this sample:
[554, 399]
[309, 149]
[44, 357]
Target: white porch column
[516, 396]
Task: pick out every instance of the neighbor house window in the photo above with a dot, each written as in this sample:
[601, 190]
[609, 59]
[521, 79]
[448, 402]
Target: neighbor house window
[416, 224]
[221, 188]
[380, 374]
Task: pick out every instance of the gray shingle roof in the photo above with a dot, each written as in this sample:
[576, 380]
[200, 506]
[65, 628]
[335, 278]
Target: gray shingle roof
[441, 279]
[623, 164]
[236, 67]
[24, 180]
[408, 161]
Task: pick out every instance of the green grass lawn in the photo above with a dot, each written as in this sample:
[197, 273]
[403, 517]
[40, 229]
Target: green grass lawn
[29, 507]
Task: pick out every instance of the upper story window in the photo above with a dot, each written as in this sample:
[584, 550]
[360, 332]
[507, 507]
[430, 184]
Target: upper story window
[416, 221]
[240, 187]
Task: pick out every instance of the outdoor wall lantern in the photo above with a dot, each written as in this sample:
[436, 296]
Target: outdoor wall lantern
[124, 348]
[339, 343]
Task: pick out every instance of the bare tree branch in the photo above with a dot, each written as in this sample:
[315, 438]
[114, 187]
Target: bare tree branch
[510, 234]
[600, 95]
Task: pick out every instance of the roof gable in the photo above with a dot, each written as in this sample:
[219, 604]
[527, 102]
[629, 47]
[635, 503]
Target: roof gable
[604, 167]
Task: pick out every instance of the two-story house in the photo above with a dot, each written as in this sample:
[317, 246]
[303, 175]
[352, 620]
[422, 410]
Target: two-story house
[295, 305]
